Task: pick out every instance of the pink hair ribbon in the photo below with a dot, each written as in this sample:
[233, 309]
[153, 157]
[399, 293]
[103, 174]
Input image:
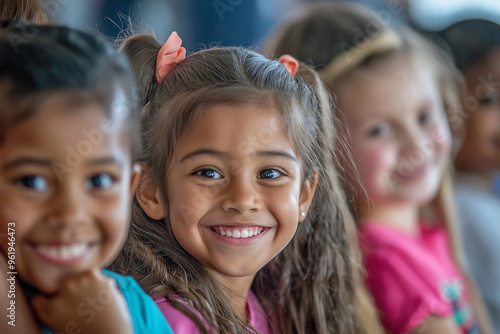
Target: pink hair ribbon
[170, 54]
[291, 64]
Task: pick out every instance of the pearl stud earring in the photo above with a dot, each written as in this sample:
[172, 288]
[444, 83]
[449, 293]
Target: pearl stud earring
[303, 214]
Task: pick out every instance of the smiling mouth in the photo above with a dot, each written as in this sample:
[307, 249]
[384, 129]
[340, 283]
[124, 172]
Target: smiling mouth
[63, 252]
[238, 232]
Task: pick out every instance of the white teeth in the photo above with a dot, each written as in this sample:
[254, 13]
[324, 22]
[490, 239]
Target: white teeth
[63, 252]
[240, 233]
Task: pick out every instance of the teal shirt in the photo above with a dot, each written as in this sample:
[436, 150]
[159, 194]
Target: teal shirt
[145, 315]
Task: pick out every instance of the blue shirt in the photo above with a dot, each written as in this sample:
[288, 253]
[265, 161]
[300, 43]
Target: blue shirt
[146, 316]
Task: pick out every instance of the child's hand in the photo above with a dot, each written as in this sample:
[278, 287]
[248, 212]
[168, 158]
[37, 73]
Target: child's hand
[90, 302]
[16, 316]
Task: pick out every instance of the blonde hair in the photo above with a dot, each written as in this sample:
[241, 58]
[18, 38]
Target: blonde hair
[313, 285]
[342, 37]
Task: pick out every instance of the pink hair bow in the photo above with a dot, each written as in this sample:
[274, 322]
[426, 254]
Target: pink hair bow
[170, 54]
[291, 64]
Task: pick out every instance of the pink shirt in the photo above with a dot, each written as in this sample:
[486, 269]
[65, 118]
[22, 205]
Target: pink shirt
[181, 324]
[412, 277]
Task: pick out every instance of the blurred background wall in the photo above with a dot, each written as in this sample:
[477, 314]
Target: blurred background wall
[204, 23]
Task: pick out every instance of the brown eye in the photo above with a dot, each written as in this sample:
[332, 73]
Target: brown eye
[33, 182]
[269, 174]
[489, 100]
[380, 130]
[101, 181]
[208, 173]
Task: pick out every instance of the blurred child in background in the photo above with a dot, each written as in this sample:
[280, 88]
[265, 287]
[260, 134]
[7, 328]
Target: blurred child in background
[398, 98]
[68, 136]
[476, 47]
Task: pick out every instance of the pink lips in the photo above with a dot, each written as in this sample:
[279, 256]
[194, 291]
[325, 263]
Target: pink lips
[414, 175]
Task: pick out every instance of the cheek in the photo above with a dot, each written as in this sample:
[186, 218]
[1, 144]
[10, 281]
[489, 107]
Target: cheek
[482, 124]
[15, 217]
[441, 136]
[115, 222]
[187, 203]
[374, 162]
[285, 205]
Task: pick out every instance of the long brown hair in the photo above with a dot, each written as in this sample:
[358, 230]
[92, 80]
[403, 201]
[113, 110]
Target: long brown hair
[314, 285]
[23, 10]
[339, 38]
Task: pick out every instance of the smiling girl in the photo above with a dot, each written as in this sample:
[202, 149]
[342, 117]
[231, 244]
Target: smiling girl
[239, 223]
[67, 124]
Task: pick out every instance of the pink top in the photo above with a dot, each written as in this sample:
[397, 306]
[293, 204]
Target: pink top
[413, 276]
[181, 324]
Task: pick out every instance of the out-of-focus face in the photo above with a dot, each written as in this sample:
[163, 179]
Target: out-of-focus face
[480, 152]
[399, 137]
[64, 192]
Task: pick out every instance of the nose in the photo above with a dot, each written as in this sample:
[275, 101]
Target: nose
[416, 145]
[241, 195]
[66, 208]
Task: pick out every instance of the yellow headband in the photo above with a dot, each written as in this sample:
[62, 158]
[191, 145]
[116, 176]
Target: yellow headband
[384, 41]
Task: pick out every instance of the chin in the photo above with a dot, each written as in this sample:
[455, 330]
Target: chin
[420, 196]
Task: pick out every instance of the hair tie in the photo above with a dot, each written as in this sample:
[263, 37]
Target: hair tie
[170, 54]
[291, 64]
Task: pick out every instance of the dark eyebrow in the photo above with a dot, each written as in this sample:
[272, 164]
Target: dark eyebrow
[27, 161]
[281, 154]
[105, 161]
[203, 151]
[221, 154]
[48, 163]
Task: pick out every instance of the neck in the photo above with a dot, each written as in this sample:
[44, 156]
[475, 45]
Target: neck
[237, 289]
[398, 216]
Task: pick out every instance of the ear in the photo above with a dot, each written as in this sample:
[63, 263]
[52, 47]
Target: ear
[135, 177]
[307, 195]
[149, 197]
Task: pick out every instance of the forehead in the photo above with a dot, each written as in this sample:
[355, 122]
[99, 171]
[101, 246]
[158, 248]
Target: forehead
[486, 71]
[60, 124]
[237, 127]
[393, 84]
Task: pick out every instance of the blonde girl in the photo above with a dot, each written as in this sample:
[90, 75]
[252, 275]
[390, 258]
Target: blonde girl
[398, 98]
[239, 224]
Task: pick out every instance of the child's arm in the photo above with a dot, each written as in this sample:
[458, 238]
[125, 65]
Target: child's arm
[90, 302]
[14, 306]
[437, 325]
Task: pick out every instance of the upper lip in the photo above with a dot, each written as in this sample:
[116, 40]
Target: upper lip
[415, 170]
